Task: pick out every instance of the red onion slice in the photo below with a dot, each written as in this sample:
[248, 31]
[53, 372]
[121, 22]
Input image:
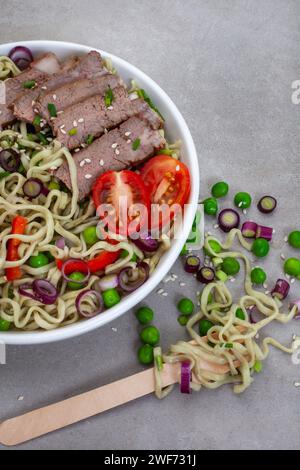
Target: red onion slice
[146, 243]
[124, 277]
[192, 264]
[60, 243]
[206, 275]
[21, 56]
[186, 377]
[81, 266]
[264, 232]
[281, 289]
[88, 293]
[267, 204]
[110, 281]
[254, 315]
[249, 229]
[45, 291]
[10, 160]
[228, 219]
[24, 288]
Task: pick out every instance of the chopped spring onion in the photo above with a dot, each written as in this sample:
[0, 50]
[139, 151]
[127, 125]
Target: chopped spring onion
[136, 144]
[142, 94]
[90, 139]
[228, 219]
[281, 289]
[186, 377]
[42, 138]
[52, 110]
[73, 131]
[267, 204]
[37, 120]
[264, 232]
[109, 97]
[249, 229]
[29, 84]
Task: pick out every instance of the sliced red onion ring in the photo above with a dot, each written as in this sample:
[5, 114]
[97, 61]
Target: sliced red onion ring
[110, 281]
[10, 160]
[33, 187]
[45, 291]
[82, 296]
[297, 303]
[206, 275]
[192, 264]
[24, 290]
[249, 229]
[264, 232]
[281, 289]
[21, 56]
[41, 290]
[60, 243]
[124, 277]
[267, 204]
[186, 377]
[228, 219]
[81, 266]
[146, 243]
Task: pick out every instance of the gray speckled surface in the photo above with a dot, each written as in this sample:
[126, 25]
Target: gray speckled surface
[228, 65]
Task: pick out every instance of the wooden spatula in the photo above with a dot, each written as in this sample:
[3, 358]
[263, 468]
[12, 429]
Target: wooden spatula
[59, 415]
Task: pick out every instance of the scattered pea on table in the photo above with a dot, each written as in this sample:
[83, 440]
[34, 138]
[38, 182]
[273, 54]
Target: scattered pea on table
[220, 189]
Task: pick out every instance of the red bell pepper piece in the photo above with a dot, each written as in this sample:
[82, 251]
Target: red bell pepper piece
[97, 264]
[18, 228]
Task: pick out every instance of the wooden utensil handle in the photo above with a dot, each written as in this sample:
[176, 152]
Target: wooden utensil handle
[50, 418]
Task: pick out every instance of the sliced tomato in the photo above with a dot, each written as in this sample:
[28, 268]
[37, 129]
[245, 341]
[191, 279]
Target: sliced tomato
[168, 182]
[122, 190]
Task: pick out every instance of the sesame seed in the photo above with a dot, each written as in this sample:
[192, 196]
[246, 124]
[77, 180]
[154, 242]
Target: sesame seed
[167, 279]
[209, 234]
[285, 239]
[265, 285]
[36, 111]
[105, 131]
[127, 134]
[53, 168]
[83, 146]
[110, 108]
[182, 284]
[288, 277]
[75, 124]
[267, 292]
[44, 87]
[273, 231]
[174, 275]
[82, 163]
[292, 280]
[232, 279]
[54, 97]
[159, 291]
[216, 226]
[282, 256]
[20, 398]
[128, 141]
[117, 152]
[297, 384]
[101, 162]
[114, 330]
[88, 160]
[244, 212]
[77, 150]
[62, 131]
[59, 112]
[49, 139]
[32, 103]
[164, 294]
[114, 146]
[177, 168]
[62, 126]
[80, 120]
[87, 177]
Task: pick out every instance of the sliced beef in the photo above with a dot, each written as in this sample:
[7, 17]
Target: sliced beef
[113, 151]
[89, 65]
[38, 71]
[92, 117]
[74, 92]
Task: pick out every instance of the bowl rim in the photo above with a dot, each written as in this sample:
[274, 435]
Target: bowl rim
[82, 327]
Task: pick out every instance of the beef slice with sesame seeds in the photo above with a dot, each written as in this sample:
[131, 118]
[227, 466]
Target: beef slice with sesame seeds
[113, 151]
[97, 117]
[39, 70]
[88, 65]
[74, 92]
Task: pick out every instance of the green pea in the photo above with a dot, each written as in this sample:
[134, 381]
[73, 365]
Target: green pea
[124, 254]
[144, 315]
[260, 247]
[220, 189]
[210, 206]
[76, 276]
[185, 306]
[90, 235]
[215, 246]
[111, 297]
[294, 239]
[242, 200]
[150, 335]
[145, 354]
[204, 326]
[4, 325]
[258, 276]
[182, 320]
[54, 185]
[38, 261]
[231, 266]
[292, 267]
[240, 314]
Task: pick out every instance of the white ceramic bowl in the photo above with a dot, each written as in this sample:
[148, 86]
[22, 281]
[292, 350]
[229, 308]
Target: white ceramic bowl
[176, 128]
